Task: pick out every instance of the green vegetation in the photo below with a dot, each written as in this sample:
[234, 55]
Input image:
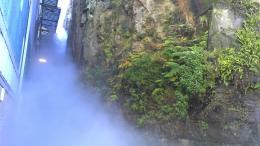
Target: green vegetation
[160, 84]
[237, 65]
[116, 3]
[162, 78]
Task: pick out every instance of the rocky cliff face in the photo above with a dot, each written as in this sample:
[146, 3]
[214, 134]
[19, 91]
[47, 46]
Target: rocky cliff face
[104, 32]
[98, 25]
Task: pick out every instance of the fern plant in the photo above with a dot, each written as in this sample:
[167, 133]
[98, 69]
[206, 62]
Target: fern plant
[237, 64]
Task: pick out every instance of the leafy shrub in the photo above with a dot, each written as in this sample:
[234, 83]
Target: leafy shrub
[187, 68]
[182, 105]
[236, 64]
[138, 80]
[159, 85]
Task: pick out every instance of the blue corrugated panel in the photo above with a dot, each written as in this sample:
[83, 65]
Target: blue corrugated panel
[15, 13]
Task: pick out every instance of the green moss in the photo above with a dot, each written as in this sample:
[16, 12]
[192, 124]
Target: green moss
[107, 47]
[116, 3]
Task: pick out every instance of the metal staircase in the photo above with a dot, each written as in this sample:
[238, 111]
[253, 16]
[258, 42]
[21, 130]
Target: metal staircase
[49, 17]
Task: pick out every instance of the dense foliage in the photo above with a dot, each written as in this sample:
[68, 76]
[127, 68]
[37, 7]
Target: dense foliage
[165, 77]
[239, 65]
[160, 84]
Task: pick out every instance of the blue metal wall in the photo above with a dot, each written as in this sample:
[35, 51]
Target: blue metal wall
[33, 35]
[15, 14]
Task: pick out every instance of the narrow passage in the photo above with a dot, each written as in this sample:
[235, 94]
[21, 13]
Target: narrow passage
[54, 110]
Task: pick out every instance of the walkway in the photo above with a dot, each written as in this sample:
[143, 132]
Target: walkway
[56, 111]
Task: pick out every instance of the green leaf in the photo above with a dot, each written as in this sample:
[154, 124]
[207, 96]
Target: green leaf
[113, 98]
[257, 86]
